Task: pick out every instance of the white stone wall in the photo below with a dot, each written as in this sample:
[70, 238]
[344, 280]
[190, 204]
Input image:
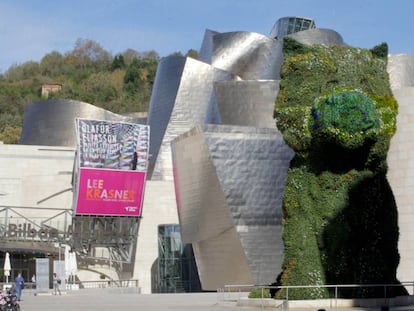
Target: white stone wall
[32, 174]
[401, 178]
[159, 208]
[36, 176]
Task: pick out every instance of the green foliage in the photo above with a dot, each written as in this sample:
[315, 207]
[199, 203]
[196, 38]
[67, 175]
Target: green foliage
[192, 53]
[10, 135]
[336, 110]
[380, 50]
[321, 69]
[88, 73]
[311, 201]
[346, 117]
[259, 293]
[291, 46]
[294, 122]
[118, 62]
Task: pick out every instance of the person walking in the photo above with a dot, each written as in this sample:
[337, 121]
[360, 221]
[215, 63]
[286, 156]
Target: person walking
[56, 284]
[19, 283]
[34, 281]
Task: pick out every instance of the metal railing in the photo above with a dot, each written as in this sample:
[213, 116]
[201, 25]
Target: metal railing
[109, 284]
[236, 292]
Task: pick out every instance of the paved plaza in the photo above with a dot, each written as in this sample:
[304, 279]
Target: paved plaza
[102, 300]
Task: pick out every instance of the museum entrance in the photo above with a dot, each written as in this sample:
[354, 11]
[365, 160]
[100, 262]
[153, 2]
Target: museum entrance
[21, 262]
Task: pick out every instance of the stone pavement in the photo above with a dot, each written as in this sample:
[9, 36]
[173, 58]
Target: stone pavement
[105, 299]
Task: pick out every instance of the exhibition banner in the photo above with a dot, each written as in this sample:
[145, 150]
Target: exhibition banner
[112, 145]
[112, 164]
[110, 192]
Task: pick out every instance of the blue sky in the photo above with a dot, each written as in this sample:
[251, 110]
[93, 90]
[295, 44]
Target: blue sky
[30, 29]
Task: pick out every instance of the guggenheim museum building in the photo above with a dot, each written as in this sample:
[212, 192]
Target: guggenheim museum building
[213, 168]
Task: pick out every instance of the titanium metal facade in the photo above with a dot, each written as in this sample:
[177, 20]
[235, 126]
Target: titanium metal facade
[230, 181]
[229, 178]
[247, 103]
[318, 36]
[52, 122]
[190, 106]
[249, 55]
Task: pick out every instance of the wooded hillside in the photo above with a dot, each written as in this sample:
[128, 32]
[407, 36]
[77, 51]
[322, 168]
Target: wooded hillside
[120, 83]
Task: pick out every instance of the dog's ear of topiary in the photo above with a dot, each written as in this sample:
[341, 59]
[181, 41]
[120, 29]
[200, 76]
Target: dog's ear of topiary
[380, 51]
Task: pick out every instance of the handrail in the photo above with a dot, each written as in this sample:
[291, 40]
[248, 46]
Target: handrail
[109, 284]
[243, 288]
[124, 283]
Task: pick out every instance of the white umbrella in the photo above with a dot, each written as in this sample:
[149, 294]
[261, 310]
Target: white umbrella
[73, 265]
[7, 267]
[67, 269]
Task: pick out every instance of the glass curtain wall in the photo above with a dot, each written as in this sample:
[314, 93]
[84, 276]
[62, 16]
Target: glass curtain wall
[288, 25]
[177, 271]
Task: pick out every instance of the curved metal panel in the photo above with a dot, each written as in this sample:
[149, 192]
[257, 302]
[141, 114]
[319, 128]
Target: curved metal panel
[164, 92]
[190, 108]
[401, 70]
[52, 122]
[205, 53]
[242, 156]
[192, 163]
[223, 183]
[249, 55]
[221, 261]
[318, 36]
[248, 103]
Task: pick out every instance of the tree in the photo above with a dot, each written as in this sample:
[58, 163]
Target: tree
[129, 55]
[141, 70]
[88, 73]
[178, 53]
[118, 62]
[20, 72]
[52, 64]
[89, 53]
[192, 53]
[98, 88]
[151, 56]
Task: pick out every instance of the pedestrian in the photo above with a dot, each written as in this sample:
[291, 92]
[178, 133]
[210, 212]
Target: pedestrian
[56, 284]
[19, 283]
[34, 281]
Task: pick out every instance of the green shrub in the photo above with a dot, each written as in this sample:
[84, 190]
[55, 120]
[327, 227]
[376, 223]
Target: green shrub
[259, 293]
[380, 50]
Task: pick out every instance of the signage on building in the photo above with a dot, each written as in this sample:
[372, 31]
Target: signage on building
[29, 231]
[112, 159]
[110, 192]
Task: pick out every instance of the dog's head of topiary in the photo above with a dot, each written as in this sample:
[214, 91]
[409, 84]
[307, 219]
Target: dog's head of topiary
[345, 117]
[336, 97]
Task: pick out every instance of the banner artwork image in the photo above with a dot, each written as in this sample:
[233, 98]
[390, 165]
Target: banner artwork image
[112, 159]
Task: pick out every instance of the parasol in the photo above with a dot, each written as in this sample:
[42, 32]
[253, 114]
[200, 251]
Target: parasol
[73, 266]
[7, 267]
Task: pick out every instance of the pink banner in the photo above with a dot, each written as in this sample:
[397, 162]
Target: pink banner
[110, 192]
